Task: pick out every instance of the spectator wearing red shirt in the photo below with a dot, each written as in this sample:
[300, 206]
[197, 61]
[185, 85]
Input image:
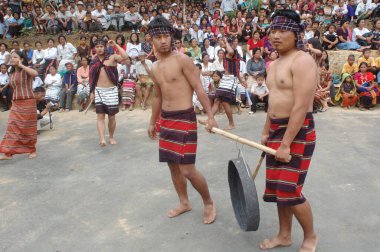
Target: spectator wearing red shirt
[255, 42]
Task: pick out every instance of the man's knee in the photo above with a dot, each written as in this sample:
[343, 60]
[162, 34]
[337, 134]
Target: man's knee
[101, 117]
[188, 171]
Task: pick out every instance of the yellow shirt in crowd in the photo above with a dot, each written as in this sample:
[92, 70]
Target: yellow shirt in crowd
[370, 61]
[377, 62]
[347, 68]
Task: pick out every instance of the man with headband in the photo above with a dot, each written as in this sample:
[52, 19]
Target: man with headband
[103, 87]
[292, 80]
[175, 79]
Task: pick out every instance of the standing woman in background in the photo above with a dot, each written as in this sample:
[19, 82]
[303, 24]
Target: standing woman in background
[21, 134]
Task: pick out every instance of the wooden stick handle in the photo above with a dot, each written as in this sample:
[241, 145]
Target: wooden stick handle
[244, 141]
[88, 107]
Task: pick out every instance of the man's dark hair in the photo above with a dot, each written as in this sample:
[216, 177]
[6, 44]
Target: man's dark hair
[39, 90]
[159, 22]
[260, 75]
[61, 36]
[351, 56]
[289, 14]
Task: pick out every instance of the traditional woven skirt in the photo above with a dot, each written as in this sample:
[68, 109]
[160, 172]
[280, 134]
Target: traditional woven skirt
[178, 136]
[284, 181]
[21, 134]
[129, 92]
[107, 100]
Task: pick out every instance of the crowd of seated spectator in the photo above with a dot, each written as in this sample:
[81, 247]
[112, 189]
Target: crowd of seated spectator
[199, 32]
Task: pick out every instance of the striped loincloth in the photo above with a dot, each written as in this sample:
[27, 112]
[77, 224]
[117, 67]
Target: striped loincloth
[106, 100]
[21, 134]
[284, 181]
[178, 136]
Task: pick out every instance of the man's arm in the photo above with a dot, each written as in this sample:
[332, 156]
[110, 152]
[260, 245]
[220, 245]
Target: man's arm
[156, 107]
[118, 57]
[304, 71]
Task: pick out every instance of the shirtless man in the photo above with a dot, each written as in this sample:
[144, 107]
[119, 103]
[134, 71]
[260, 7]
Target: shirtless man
[176, 78]
[104, 90]
[289, 128]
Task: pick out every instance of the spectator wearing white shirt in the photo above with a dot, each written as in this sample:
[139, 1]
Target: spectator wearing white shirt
[65, 22]
[38, 58]
[259, 93]
[133, 19]
[340, 10]
[4, 54]
[66, 53]
[5, 91]
[53, 84]
[99, 15]
[37, 82]
[50, 56]
[364, 9]
[359, 34]
[229, 7]
[197, 34]
[210, 50]
[80, 13]
[117, 18]
[145, 83]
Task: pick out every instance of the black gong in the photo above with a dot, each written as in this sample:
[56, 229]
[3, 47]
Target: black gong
[243, 195]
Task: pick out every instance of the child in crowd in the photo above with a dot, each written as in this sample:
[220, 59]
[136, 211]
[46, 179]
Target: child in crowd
[330, 38]
[366, 57]
[350, 66]
[347, 92]
[259, 93]
[5, 92]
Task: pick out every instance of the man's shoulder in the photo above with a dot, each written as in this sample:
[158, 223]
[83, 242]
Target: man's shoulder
[302, 60]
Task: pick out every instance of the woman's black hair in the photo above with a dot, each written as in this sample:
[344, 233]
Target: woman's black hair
[327, 61]
[289, 14]
[358, 21]
[220, 50]
[24, 60]
[204, 54]
[50, 39]
[138, 39]
[61, 36]
[87, 59]
[363, 63]
[37, 42]
[344, 20]
[15, 42]
[254, 50]
[315, 43]
[219, 73]
[122, 39]
[205, 41]
[92, 45]
[326, 66]
[6, 46]
[82, 37]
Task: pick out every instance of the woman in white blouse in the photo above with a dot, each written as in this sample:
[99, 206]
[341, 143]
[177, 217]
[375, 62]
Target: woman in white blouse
[38, 59]
[53, 84]
[207, 71]
[217, 65]
[4, 54]
[133, 47]
[50, 57]
[210, 50]
[66, 53]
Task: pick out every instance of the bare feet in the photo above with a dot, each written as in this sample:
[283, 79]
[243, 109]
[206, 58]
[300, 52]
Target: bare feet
[32, 155]
[275, 242]
[309, 244]
[102, 143]
[5, 157]
[209, 213]
[229, 127]
[113, 141]
[182, 208]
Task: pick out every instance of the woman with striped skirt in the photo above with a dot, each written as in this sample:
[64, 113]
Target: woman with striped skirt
[21, 133]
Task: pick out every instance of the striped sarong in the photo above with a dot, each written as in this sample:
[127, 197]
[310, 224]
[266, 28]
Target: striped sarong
[226, 91]
[284, 181]
[178, 136]
[106, 100]
[21, 134]
[129, 88]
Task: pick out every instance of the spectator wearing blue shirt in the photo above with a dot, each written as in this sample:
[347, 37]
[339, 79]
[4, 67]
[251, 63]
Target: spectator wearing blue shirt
[15, 25]
[69, 88]
[351, 7]
[28, 52]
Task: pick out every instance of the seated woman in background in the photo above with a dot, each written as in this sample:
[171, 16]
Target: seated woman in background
[366, 87]
[347, 92]
[53, 85]
[322, 95]
[194, 50]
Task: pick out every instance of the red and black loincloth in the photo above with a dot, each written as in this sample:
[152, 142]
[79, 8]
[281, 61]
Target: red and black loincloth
[284, 181]
[21, 134]
[178, 136]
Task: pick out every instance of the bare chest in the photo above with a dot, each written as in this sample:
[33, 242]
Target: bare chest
[280, 77]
